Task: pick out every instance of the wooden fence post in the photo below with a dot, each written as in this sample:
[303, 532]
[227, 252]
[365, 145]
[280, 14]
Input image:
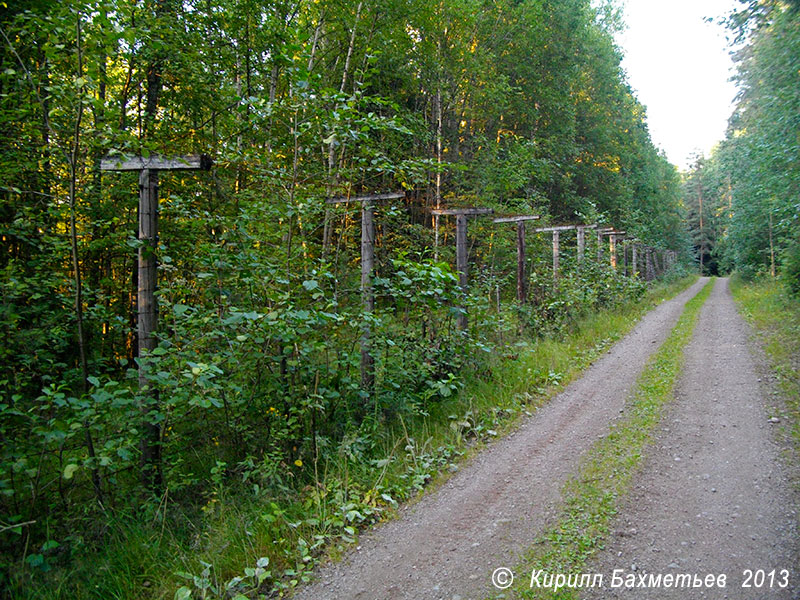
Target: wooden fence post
[522, 281]
[625, 258]
[462, 264]
[612, 243]
[367, 271]
[147, 319]
[582, 242]
[462, 250]
[367, 293]
[147, 302]
[600, 245]
[612, 250]
[555, 255]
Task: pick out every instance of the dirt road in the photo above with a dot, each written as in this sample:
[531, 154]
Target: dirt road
[447, 545]
[712, 497]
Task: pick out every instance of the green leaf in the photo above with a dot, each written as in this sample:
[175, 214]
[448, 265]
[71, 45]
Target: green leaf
[183, 593]
[69, 470]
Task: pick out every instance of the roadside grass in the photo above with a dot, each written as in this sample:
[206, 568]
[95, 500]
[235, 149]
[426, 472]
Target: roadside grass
[592, 496]
[775, 316]
[246, 544]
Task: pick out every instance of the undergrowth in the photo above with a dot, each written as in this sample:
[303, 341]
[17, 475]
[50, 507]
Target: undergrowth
[245, 542]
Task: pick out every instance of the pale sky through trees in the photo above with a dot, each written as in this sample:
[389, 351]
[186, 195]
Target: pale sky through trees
[679, 67]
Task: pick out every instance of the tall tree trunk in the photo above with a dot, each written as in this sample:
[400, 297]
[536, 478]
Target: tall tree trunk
[702, 234]
[73, 175]
[332, 179]
[771, 248]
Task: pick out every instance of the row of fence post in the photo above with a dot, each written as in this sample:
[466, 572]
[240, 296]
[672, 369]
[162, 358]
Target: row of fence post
[656, 263]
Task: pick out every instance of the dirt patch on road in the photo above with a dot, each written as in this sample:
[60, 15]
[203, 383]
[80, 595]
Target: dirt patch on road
[447, 545]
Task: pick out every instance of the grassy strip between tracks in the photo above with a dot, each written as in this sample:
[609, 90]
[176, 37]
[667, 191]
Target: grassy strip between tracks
[591, 497]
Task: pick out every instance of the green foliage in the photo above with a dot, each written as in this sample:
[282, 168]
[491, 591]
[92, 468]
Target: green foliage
[775, 316]
[791, 268]
[750, 183]
[255, 387]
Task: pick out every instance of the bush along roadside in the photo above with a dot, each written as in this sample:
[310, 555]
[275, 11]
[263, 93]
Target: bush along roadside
[363, 487]
[592, 496]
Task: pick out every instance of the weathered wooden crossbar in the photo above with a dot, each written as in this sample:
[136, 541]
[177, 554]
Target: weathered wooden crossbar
[555, 228]
[519, 219]
[155, 162]
[462, 212]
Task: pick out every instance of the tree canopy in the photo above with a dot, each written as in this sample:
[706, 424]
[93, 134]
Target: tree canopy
[751, 182]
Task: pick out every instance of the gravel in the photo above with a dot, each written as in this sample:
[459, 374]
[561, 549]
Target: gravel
[728, 505]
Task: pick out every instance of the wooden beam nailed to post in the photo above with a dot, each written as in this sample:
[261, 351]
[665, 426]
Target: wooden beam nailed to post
[195, 162]
[522, 282]
[462, 266]
[367, 269]
[146, 299]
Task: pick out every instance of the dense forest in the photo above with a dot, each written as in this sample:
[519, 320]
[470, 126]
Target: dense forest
[744, 199]
[252, 391]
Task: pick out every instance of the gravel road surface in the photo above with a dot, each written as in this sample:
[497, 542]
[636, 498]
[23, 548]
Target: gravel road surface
[447, 545]
[713, 496]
